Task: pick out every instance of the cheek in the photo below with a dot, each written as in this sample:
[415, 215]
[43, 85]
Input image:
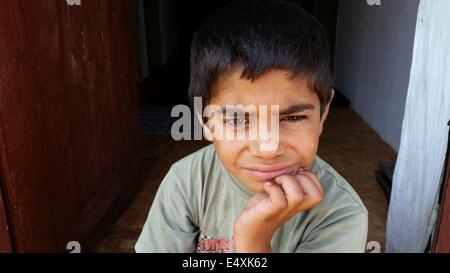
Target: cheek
[229, 151]
[307, 148]
[305, 144]
[312, 149]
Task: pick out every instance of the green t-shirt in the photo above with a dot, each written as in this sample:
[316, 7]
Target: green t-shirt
[199, 199]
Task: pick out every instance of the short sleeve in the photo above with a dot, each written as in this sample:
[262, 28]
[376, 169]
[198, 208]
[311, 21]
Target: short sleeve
[170, 226]
[338, 235]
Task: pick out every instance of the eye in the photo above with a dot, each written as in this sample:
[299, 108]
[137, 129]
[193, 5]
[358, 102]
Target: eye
[236, 122]
[294, 118]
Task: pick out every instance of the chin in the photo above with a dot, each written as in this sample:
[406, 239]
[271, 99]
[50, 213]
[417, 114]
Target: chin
[255, 186]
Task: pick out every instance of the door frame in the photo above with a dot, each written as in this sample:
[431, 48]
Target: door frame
[5, 236]
[441, 240]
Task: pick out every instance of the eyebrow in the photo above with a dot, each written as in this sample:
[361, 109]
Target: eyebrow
[295, 108]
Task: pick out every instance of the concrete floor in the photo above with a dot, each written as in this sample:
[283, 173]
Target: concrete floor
[348, 144]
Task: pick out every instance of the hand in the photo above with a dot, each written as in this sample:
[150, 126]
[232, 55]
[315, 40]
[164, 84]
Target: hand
[266, 212]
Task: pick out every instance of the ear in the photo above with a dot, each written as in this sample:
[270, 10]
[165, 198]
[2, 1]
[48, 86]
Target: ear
[326, 111]
[206, 130]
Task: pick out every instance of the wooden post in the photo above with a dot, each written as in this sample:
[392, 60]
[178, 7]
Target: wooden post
[419, 168]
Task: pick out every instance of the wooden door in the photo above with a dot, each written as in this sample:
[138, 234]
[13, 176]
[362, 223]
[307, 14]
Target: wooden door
[68, 117]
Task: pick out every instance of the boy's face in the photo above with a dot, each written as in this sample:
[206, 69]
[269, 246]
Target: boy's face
[300, 125]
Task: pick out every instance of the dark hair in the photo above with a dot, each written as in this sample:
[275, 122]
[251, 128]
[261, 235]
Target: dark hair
[261, 35]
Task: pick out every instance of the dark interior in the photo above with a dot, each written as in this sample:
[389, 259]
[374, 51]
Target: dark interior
[168, 80]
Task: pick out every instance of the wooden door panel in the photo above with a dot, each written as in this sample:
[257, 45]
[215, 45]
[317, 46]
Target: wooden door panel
[26, 120]
[68, 118]
[90, 106]
[127, 144]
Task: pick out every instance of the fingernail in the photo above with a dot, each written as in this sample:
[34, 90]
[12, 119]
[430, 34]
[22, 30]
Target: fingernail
[268, 184]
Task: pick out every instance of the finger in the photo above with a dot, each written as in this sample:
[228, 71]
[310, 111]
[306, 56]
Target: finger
[292, 189]
[276, 195]
[314, 178]
[312, 192]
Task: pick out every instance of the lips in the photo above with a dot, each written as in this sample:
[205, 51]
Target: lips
[269, 172]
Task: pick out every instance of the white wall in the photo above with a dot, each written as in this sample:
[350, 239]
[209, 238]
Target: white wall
[373, 60]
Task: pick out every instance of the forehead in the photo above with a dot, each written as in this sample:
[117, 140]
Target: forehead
[275, 87]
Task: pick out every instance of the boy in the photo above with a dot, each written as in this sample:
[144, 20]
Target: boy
[235, 196]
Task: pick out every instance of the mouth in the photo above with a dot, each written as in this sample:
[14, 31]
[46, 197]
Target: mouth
[269, 172]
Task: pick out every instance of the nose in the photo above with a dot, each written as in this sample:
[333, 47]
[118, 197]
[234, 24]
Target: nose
[265, 149]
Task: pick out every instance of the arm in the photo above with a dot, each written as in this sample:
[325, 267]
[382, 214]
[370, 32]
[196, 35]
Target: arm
[170, 224]
[339, 234]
